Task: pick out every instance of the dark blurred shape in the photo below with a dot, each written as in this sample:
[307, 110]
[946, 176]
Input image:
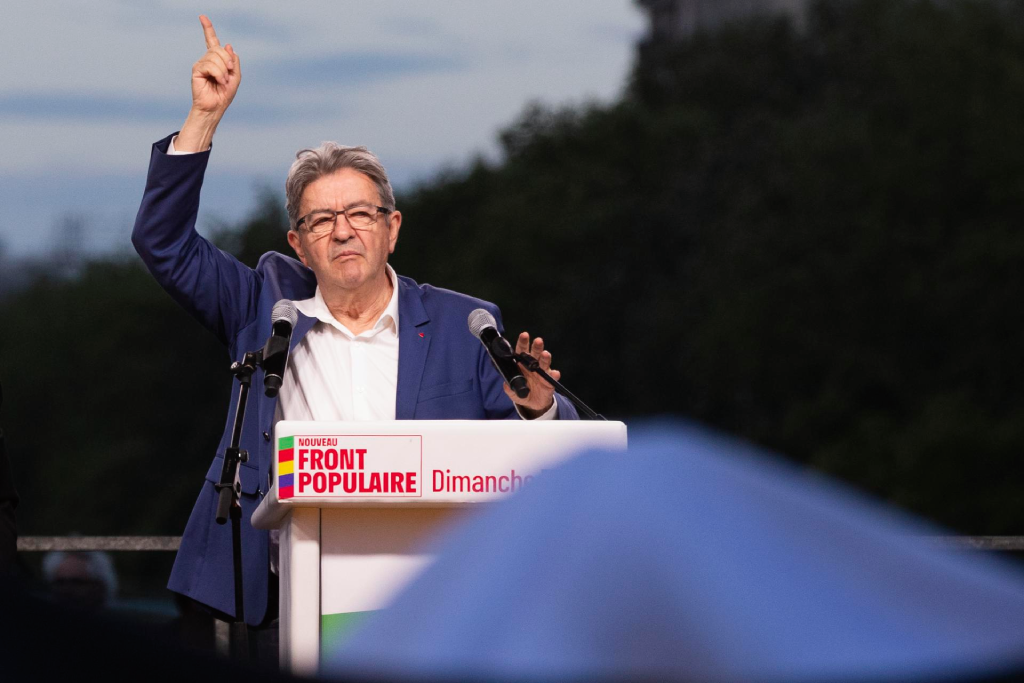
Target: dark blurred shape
[8, 504]
[194, 626]
[82, 580]
[695, 557]
[42, 641]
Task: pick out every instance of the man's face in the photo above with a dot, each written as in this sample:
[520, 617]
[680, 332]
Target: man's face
[345, 259]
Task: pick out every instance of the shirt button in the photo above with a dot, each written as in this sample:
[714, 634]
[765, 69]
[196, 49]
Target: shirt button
[266, 436]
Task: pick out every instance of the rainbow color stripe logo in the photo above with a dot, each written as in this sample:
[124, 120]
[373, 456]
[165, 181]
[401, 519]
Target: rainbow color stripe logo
[285, 467]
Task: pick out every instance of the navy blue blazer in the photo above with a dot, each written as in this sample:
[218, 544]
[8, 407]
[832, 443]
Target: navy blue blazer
[443, 371]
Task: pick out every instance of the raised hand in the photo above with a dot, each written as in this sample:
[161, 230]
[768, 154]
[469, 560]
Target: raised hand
[542, 394]
[215, 79]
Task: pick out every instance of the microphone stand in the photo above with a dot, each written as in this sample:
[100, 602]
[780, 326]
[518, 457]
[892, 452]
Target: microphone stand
[533, 365]
[229, 488]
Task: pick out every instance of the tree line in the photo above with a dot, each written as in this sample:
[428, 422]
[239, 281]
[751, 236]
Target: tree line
[807, 236]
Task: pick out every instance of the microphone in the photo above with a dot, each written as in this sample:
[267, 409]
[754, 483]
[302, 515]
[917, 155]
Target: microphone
[275, 353]
[485, 328]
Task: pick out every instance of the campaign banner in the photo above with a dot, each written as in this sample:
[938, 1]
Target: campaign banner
[350, 466]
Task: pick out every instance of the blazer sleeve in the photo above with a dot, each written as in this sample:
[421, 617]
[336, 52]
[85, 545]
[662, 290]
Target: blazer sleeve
[213, 286]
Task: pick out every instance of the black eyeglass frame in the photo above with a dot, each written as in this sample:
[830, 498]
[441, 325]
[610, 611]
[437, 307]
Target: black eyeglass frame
[380, 209]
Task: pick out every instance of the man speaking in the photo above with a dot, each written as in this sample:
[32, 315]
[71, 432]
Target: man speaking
[368, 344]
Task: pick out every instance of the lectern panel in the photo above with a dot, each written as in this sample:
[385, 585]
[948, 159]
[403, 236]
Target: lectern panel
[368, 555]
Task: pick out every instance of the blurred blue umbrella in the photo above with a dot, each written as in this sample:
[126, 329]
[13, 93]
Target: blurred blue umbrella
[695, 557]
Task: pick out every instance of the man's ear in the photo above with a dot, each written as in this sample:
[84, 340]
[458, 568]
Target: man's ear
[296, 243]
[394, 225]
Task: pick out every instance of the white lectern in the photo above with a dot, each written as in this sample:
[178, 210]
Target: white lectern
[355, 502]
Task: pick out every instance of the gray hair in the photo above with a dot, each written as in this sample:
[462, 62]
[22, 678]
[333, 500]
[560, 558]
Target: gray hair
[312, 164]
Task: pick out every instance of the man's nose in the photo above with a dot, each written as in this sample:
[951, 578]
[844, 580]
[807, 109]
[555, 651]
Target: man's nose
[342, 230]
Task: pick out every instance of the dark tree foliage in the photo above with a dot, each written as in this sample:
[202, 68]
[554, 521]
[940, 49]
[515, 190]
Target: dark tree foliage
[265, 229]
[806, 237]
[114, 401]
[116, 397]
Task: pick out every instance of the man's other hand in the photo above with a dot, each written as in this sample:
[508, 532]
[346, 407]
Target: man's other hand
[542, 394]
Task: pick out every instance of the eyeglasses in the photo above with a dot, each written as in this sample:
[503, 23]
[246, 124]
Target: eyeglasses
[359, 217]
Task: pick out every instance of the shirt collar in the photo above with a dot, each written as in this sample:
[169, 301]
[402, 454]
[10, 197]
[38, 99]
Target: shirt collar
[317, 308]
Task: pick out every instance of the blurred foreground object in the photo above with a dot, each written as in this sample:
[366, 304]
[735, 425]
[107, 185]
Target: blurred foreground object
[41, 640]
[695, 557]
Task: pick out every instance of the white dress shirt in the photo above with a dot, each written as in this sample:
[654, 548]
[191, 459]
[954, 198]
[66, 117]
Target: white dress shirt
[336, 375]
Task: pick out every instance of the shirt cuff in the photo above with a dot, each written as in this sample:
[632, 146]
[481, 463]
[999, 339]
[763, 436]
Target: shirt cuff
[174, 152]
[549, 414]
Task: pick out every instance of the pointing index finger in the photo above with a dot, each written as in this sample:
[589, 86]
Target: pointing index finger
[208, 32]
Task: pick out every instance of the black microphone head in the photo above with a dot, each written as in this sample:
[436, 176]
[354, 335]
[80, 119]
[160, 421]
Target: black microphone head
[284, 311]
[479, 320]
[519, 386]
[272, 385]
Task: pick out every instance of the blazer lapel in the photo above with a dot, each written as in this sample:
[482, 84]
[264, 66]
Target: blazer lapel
[304, 325]
[413, 343]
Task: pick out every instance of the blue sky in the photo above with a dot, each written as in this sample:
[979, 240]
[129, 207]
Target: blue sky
[88, 86]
